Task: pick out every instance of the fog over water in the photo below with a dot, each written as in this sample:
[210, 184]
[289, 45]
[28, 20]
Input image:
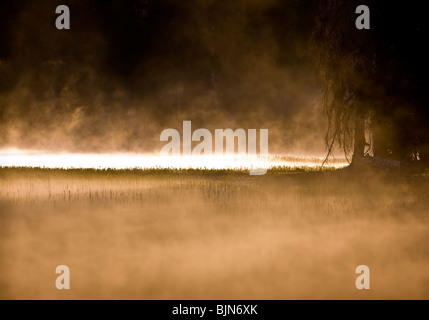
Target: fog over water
[127, 70]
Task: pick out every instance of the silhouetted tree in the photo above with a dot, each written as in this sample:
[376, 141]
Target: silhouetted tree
[373, 79]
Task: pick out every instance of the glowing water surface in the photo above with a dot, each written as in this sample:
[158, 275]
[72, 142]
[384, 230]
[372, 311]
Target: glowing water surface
[26, 158]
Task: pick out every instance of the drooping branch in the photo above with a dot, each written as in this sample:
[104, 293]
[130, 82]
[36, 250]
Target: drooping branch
[343, 69]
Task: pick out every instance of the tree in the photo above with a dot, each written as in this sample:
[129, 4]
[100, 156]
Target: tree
[373, 86]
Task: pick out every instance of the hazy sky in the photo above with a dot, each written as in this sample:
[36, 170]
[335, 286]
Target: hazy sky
[126, 70]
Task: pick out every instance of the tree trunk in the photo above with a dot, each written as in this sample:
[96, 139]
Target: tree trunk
[359, 140]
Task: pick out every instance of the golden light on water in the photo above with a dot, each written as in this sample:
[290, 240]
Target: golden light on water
[26, 158]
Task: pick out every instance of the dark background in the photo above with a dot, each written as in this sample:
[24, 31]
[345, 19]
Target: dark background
[126, 70]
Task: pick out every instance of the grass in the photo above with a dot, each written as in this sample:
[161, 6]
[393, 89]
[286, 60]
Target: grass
[203, 234]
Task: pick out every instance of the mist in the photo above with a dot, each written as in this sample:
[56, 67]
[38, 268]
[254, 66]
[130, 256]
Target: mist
[126, 70]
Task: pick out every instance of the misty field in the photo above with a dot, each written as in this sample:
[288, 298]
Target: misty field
[193, 234]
